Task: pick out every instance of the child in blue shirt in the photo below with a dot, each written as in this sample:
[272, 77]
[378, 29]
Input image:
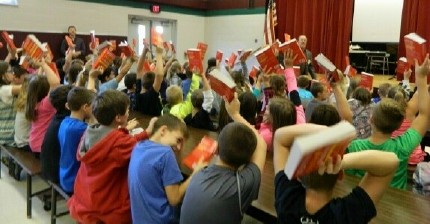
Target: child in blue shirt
[70, 133]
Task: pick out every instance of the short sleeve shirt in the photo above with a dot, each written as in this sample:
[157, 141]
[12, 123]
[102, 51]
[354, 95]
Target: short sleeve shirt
[290, 203]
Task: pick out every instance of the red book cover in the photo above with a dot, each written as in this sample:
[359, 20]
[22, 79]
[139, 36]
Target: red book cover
[203, 48]
[195, 59]
[366, 81]
[254, 72]
[218, 55]
[146, 66]
[33, 48]
[9, 41]
[104, 60]
[245, 55]
[294, 46]
[402, 67]
[296, 70]
[308, 150]
[350, 71]
[415, 48]
[267, 59]
[232, 60]
[126, 49]
[222, 84]
[206, 149]
[156, 38]
[275, 46]
[69, 41]
[93, 39]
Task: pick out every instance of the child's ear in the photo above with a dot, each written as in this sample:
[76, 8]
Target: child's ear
[67, 106]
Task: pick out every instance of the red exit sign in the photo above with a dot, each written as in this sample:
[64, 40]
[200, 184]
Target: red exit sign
[155, 8]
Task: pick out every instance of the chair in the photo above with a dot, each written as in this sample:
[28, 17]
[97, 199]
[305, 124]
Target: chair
[379, 61]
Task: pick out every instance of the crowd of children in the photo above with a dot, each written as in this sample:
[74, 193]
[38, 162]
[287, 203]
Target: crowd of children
[81, 132]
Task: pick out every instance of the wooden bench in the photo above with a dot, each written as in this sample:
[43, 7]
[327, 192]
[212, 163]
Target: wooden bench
[55, 191]
[30, 165]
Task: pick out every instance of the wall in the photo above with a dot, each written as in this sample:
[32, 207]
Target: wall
[55, 15]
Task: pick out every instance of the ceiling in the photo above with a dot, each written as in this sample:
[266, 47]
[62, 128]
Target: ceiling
[210, 4]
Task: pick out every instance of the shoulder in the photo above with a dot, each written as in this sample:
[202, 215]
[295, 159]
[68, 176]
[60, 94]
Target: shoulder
[358, 202]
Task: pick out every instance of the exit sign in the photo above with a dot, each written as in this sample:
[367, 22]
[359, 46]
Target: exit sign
[155, 8]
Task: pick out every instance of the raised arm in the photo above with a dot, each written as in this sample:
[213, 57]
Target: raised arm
[291, 80]
[379, 166]
[159, 70]
[259, 156]
[140, 68]
[420, 123]
[284, 139]
[53, 79]
[208, 97]
[125, 68]
[341, 101]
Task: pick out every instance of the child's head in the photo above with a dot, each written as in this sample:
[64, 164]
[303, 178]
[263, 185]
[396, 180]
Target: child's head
[280, 112]
[130, 81]
[6, 73]
[319, 91]
[277, 83]
[383, 89]
[353, 84]
[175, 67]
[39, 88]
[303, 82]
[19, 75]
[197, 99]
[238, 78]
[110, 108]
[74, 71]
[236, 144]
[248, 107]
[323, 114]
[58, 98]
[398, 94]
[107, 75]
[148, 80]
[79, 99]
[174, 95]
[387, 116]
[363, 95]
[171, 130]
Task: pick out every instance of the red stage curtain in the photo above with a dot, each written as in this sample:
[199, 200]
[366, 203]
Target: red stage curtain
[415, 18]
[326, 23]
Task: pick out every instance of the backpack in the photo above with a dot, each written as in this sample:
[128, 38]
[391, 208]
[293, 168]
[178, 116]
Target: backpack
[421, 179]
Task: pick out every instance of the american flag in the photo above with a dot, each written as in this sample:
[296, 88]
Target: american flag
[270, 22]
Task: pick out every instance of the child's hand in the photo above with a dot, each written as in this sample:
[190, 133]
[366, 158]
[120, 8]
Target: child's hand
[232, 107]
[289, 58]
[424, 68]
[151, 125]
[200, 164]
[131, 124]
[407, 74]
[330, 166]
[96, 72]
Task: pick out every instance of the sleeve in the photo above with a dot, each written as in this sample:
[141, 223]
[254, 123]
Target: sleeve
[195, 84]
[123, 147]
[409, 141]
[6, 93]
[358, 203]
[111, 84]
[170, 174]
[250, 178]
[287, 193]
[208, 100]
[300, 117]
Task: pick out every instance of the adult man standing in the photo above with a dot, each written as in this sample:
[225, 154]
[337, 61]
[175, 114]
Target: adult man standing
[306, 68]
[78, 43]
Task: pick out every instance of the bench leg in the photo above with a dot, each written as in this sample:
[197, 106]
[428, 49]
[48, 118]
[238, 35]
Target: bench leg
[53, 205]
[29, 195]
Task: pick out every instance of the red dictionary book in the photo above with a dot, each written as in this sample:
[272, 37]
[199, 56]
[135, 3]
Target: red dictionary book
[219, 55]
[146, 66]
[156, 38]
[254, 72]
[203, 48]
[33, 48]
[415, 48]
[231, 60]
[195, 59]
[245, 55]
[126, 49]
[69, 41]
[267, 59]
[222, 84]
[296, 70]
[206, 149]
[402, 67]
[9, 40]
[366, 81]
[328, 66]
[93, 39]
[308, 150]
[294, 46]
[104, 59]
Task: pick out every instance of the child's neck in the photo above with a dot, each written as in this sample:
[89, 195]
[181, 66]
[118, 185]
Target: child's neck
[378, 137]
[77, 115]
[195, 111]
[219, 162]
[315, 200]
